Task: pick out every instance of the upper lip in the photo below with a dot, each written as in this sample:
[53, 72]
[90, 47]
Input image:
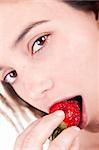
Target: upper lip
[77, 97]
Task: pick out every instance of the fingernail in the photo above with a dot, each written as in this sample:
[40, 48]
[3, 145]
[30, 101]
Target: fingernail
[76, 128]
[59, 113]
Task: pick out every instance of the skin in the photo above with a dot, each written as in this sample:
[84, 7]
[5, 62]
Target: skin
[65, 66]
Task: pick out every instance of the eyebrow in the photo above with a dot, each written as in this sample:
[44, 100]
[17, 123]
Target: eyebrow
[27, 29]
[0, 68]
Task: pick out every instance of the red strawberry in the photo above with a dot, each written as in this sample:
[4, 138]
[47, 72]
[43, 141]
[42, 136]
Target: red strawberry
[72, 112]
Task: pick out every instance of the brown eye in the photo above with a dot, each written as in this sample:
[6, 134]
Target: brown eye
[11, 77]
[39, 43]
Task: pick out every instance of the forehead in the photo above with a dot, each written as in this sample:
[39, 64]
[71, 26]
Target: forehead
[15, 15]
[10, 1]
[18, 6]
[16, 1]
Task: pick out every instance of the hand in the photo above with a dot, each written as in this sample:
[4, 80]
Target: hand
[39, 131]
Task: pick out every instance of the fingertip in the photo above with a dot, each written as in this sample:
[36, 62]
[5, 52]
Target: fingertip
[59, 113]
[75, 128]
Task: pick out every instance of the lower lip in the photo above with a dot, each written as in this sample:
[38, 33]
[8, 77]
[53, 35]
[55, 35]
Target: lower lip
[84, 118]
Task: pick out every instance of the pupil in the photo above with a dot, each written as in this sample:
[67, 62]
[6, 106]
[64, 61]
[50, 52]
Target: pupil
[13, 74]
[41, 40]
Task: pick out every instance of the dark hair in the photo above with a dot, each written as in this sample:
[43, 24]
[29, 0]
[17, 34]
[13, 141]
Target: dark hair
[85, 5]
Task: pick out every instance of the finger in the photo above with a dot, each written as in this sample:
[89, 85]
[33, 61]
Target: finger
[38, 135]
[47, 125]
[75, 145]
[18, 143]
[64, 140]
[31, 126]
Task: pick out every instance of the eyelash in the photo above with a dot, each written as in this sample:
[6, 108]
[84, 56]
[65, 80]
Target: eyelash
[12, 74]
[32, 44]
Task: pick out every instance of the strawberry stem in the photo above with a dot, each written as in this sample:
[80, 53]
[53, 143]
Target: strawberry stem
[58, 130]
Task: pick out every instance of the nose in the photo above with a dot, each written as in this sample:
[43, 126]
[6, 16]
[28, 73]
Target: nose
[45, 85]
[42, 87]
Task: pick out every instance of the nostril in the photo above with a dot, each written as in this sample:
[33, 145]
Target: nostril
[41, 88]
[46, 85]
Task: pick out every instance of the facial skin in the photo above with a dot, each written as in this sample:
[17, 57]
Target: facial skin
[65, 65]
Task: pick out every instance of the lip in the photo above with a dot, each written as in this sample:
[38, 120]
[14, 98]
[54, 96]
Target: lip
[84, 118]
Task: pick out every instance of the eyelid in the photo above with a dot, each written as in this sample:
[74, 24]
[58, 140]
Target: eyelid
[34, 39]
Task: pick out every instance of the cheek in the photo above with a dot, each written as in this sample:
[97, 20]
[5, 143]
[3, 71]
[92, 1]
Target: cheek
[32, 80]
[76, 61]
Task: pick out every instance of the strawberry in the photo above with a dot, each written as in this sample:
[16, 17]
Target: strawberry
[72, 112]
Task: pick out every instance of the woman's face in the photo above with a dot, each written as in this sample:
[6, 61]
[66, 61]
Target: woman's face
[53, 49]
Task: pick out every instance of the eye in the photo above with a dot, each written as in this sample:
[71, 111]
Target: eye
[11, 77]
[39, 43]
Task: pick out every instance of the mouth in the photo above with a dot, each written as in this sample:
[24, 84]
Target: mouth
[74, 109]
